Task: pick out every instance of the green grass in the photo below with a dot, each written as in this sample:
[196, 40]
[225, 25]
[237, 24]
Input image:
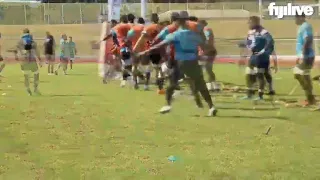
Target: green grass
[81, 129]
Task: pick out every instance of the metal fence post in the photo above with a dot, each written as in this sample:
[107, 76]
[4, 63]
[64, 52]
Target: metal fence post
[25, 14]
[81, 14]
[62, 13]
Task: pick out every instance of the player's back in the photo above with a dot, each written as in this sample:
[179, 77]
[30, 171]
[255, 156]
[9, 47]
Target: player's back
[152, 30]
[122, 29]
[194, 26]
[135, 33]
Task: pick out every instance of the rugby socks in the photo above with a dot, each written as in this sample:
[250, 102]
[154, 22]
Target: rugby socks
[27, 84]
[148, 76]
[260, 77]
[36, 81]
[250, 80]
[308, 89]
[268, 77]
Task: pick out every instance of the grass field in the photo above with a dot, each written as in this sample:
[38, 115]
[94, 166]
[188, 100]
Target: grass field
[81, 129]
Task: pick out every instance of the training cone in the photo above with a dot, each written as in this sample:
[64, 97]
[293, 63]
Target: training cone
[162, 91]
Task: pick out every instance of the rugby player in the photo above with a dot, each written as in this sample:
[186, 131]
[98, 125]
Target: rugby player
[49, 51]
[186, 43]
[64, 55]
[306, 57]
[148, 35]
[210, 56]
[261, 44]
[29, 52]
[133, 36]
[73, 51]
[2, 64]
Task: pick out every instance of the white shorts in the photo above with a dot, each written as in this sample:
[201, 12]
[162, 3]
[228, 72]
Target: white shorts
[72, 59]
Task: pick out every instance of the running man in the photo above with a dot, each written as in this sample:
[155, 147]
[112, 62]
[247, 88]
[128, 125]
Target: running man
[49, 51]
[2, 64]
[64, 55]
[186, 44]
[29, 52]
[133, 36]
[72, 50]
[261, 44]
[306, 57]
[147, 37]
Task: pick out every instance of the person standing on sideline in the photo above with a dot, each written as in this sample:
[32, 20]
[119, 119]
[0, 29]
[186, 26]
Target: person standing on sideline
[2, 64]
[49, 51]
[186, 43]
[72, 50]
[306, 57]
[64, 55]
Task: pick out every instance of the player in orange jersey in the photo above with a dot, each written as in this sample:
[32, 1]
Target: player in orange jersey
[147, 37]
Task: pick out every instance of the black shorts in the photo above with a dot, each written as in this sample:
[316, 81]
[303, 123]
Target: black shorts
[155, 58]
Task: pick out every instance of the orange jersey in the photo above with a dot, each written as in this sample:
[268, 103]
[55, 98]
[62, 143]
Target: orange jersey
[135, 33]
[121, 31]
[152, 31]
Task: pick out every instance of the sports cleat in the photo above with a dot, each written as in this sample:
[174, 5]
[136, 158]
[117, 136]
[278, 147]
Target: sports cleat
[56, 73]
[212, 112]
[245, 98]
[29, 92]
[104, 81]
[258, 99]
[123, 83]
[162, 91]
[271, 93]
[165, 109]
[37, 92]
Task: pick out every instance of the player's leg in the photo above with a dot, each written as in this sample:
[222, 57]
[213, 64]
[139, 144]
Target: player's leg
[251, 77]
[208, 66]
[65, 65]
[173, 83]
[125, 57]
[36, 77]
[156, 61]
[71, 62]
[26, 71]
[194, 72]
[269, 80]
[59, 65]
[302, 74]
[2, 65]
[263, 66]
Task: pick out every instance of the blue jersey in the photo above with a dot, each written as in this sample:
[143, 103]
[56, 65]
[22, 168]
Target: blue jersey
[304, 31]
[258, 39]
[186, 43]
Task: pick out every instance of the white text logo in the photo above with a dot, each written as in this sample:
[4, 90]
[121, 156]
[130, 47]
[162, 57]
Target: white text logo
[289, 10]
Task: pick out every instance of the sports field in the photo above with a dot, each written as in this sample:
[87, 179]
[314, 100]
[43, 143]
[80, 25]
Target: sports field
[82, 129]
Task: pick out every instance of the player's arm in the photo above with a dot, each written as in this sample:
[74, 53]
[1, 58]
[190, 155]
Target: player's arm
[308, 37]
[142, 39]
[168, 40]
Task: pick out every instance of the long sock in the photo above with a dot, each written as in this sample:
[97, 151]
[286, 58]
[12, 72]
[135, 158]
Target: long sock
[309, 88]
[36, 81]
[2, 67]
[250, 80]
[261, 80]
[26, 81]
[160, 83]
[71, 64]
[268, 77]
[169, 94]
[148, 76]
[59, 65]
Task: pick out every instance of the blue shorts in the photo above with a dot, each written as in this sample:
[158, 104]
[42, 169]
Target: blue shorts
[259, 61]
[125, 54]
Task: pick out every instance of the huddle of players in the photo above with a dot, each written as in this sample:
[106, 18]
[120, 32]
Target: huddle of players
[177, 44]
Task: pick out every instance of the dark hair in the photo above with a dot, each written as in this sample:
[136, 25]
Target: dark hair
[124, 19]
[174, 16]
[113, 21]
[204, 22]
[141, 20]
[154, 18]
[131, 18]
[302, 15]
[255, 19]
[193, 18]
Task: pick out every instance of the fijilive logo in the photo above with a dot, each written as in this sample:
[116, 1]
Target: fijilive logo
[289, 10]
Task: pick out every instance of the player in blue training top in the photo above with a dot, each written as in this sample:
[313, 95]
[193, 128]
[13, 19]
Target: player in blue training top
[261, 44]
[186, 43]
[306, 57]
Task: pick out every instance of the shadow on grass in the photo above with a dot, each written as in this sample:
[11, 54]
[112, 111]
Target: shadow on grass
[248, 117]
[69, 95]
[250, 109]
[76, 74]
